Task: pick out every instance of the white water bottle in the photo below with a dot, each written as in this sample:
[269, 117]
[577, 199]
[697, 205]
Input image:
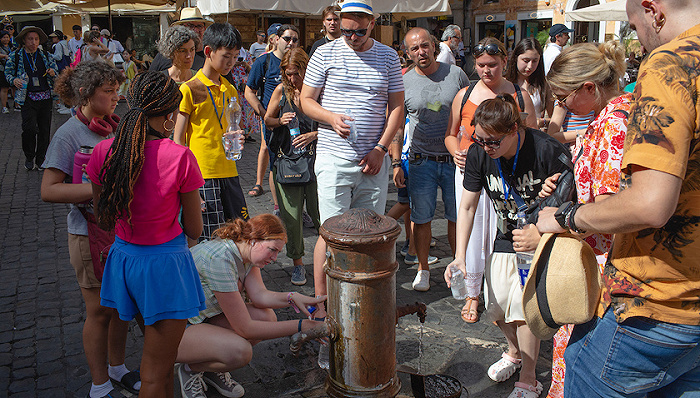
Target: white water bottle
[324, 355]
[524, 259]
[352, 137]
[231, 140]
[21, 93]
[457, 283]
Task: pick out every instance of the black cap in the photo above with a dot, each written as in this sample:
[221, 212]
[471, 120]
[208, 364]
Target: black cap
[77, 27]
[559, 28]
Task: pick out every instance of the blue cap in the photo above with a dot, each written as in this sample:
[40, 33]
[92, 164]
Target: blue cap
[272, 30]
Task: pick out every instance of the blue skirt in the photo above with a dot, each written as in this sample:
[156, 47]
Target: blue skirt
[159, 281]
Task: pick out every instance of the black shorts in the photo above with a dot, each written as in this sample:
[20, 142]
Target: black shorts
[3, 82]
[224, 201]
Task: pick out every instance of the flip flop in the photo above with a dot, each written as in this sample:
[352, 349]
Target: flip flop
[128, 381]
[468, 312]
[257, 190]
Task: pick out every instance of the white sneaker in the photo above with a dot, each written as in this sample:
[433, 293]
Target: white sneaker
[5, 110]
[422, 281]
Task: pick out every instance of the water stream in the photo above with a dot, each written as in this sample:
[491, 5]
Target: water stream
[420, 350]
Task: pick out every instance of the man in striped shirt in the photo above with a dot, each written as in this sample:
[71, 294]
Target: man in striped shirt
[364, 76]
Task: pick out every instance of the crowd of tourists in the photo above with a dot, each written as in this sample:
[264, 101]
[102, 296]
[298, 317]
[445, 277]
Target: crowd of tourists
[544, 150]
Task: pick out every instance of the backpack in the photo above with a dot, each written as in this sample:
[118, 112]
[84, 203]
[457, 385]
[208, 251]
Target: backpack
[521, 101]
[266, 66]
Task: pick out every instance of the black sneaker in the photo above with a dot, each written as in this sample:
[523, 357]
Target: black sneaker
[29, 165]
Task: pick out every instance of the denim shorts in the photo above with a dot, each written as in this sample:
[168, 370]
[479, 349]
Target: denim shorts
[638, 358]
[426, 177]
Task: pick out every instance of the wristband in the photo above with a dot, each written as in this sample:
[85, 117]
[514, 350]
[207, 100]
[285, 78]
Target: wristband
[395, 164]
[571, 222]
[289, 300]
[382, 147]
[299, 328]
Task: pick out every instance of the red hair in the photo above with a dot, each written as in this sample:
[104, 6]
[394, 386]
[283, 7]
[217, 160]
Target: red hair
[261, 227]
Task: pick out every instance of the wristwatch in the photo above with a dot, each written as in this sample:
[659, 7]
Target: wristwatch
[562, 212]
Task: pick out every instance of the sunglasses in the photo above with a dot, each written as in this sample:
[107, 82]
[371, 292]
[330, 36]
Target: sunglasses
[490, 49]
[482, 143]
[290, 38]
[356, 32]
[562, 101]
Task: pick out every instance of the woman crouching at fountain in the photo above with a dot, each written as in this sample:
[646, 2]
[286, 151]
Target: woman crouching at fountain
[511, 162]
[239, 311]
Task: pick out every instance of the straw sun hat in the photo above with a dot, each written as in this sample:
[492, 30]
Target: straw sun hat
[563, 286]
[192, 14]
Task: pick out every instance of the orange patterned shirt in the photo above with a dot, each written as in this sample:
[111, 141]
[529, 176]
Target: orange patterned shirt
[655, 273]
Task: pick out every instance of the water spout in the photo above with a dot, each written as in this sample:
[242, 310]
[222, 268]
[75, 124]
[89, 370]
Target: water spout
[416, 308]
[298, 339]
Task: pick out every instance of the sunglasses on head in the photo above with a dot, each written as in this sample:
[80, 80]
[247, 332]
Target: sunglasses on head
[290, 38]
[490, 49]
[356, 32]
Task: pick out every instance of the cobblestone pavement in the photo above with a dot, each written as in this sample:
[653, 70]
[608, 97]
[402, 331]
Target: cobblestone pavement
[42, 311]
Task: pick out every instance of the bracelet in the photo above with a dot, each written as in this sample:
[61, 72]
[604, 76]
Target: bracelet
[395, 163]
[289, 300]
[299, 328]
[382, 147]
[570, 219]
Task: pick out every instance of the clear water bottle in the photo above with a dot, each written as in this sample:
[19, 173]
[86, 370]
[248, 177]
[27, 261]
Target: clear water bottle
[231, 139]
[460, 135]
[21, 93]
[324, 355]
[294, 132]
[352, 137]
[457, 283]
[524, 259]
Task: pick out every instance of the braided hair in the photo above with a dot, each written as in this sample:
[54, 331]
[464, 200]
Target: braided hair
[150, 94]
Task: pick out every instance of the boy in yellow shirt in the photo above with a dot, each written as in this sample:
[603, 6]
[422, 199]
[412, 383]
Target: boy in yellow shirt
[201, 124]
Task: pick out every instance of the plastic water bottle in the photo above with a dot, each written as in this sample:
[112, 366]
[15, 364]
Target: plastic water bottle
[460, 135]
[21, 93]
[324, 355]
[231, 140]
[352, 137]
[524, 259]
[457, 284]
[294, 132]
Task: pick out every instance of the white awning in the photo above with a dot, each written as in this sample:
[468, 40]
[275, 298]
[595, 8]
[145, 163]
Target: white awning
[59, 7]
[413, 8]
[612, 11]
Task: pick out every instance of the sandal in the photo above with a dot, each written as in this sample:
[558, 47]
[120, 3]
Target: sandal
[257, 190]
[469, 314]
[504, 368]
[523, 390]
[129, 381]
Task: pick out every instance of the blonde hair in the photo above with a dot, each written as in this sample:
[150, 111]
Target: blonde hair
[602, 64]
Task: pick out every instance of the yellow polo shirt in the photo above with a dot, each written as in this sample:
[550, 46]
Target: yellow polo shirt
[203, 133]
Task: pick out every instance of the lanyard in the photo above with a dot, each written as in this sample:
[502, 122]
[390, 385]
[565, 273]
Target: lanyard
[31, 61]
[223, 99]
[506, 186]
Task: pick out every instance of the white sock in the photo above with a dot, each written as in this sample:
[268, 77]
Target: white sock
[101, 390]
[117, 372]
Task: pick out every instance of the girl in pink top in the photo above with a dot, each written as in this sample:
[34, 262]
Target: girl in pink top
[140, 181]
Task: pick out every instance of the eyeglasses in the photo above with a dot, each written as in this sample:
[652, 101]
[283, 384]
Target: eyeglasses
[290, 38]
[562, 101]
[482, 143]
[356, 32]
[490, 49]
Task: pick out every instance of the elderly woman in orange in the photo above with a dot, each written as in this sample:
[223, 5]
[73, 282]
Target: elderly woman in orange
[584, 79]
[239, 308]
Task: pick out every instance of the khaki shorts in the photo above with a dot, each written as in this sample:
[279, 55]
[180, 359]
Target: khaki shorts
[79, 252]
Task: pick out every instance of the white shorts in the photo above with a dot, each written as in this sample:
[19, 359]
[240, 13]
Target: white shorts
[343, 186]
[502, 291]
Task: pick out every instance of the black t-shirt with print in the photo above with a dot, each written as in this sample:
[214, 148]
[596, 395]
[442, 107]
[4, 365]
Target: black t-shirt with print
[537, 160]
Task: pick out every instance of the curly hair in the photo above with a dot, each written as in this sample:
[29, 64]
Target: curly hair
[261, 227]
[88, 76]
[175, 37]
[150, 94]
